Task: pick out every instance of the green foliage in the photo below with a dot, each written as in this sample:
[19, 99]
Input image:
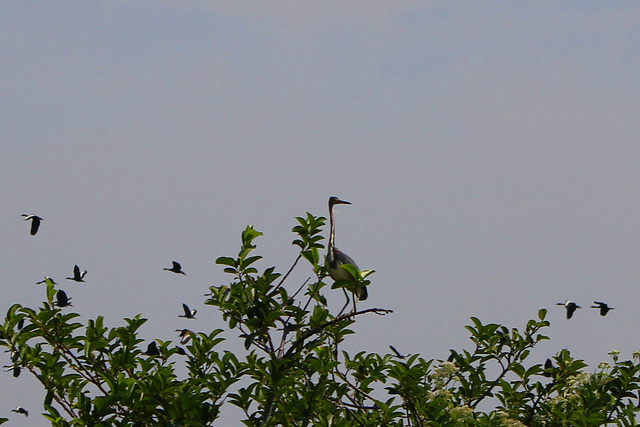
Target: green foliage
[294, 372]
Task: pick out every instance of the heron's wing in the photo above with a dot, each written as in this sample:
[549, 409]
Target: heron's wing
[176, 265]
[76, 271]
[187, 312]
[342, 258]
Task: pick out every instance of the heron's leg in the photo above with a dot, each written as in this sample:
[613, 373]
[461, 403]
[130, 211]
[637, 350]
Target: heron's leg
[346, 295]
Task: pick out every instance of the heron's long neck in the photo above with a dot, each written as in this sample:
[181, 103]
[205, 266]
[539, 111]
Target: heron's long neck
[331, 234]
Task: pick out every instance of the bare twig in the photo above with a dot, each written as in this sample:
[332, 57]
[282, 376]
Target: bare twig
[303, 338]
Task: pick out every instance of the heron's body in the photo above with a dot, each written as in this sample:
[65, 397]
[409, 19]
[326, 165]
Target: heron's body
[335, 257]
[45, 281]
[570, 306]
[604, 307]
[35, 222]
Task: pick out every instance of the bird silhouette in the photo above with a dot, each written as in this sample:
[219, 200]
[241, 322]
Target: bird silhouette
[78, 275]
[152, 349]
[188, 314]
[62, 299]
[21, 410]
[397, 353]
[185, 335]
[548, 365]
[35, 222]
[604, 307]
[570, 306]
[176, 268]
[15, 369]
[45, 281]
[335, 257]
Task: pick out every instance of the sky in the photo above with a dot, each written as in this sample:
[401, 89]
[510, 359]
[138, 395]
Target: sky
[489, 150]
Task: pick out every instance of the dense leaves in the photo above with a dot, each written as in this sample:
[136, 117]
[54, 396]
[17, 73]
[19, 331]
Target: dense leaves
[294, 371]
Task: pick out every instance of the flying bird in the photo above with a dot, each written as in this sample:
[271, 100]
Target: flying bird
[62, 299]
[35, 222]
[78, 275]
[185, 335]
[570, 306]
[152, 349]
[189, 314]
[21, 410]
[335, 258]
[604, 307]
[15, 369]
[176, 268]
[397, 353]
[548, 364]
[45, 281]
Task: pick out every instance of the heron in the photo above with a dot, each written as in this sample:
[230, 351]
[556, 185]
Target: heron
[176, 268]
[604, 307]
[21, 410]
[185, 335]
[35, 222]
[152, 349]
[62, 299]
[78, 275]
[188, 314]
[335, 258]
[570, 306]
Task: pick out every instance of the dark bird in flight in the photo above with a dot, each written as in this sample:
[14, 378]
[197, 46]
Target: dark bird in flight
[13, 368]
[188, 314]
[176, 268]
[45, 281]
[152, 349]
[548, 364]
[604, 307]
[185, 335]
[35, 222]
[335, 257]
[21, 410]
[78, 275]
[570, 306]
[397, 353]
[62, 299]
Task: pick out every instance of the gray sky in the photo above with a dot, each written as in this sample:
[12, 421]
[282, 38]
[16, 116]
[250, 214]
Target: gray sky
[489, 149]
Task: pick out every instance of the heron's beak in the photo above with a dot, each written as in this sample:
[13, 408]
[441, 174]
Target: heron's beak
[342, 202]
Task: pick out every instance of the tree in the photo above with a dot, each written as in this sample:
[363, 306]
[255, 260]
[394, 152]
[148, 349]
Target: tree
[294, 372]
